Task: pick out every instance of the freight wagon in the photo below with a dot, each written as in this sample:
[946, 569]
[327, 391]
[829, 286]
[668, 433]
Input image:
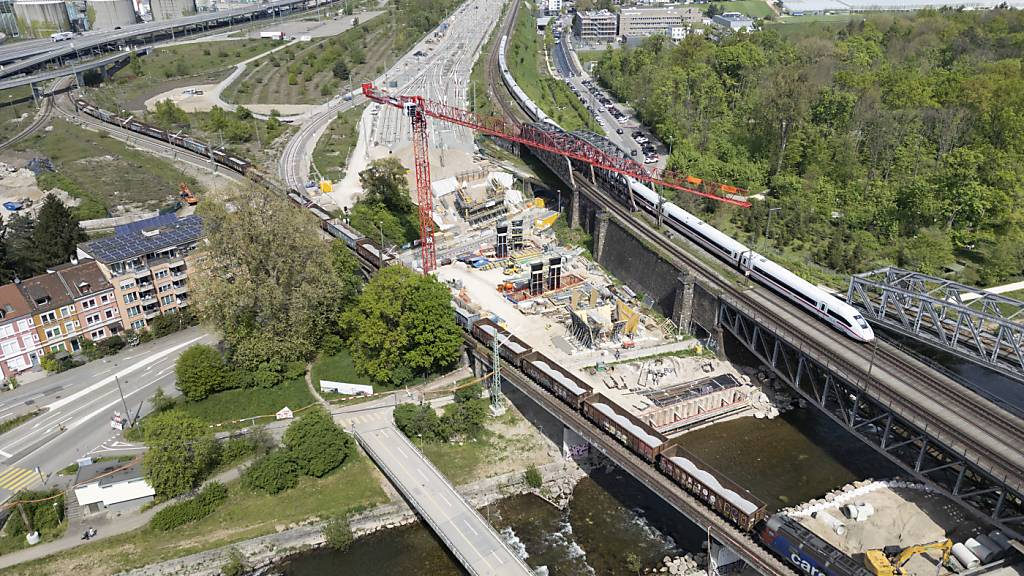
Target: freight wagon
[723, 495]
[637, 435]
[553, 378]
[512, 349]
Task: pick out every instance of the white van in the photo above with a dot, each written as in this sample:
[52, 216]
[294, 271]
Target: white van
[59, 36]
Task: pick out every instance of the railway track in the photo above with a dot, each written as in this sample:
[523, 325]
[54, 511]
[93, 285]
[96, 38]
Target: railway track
[891, 367]
[42, 117]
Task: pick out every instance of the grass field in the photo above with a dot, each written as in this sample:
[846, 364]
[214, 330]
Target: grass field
[333, 149]
[165, 68]
[303, 74]
[352, 488]
[104, 173]
[479, 99]
[458, 462]
[752, 8]
[11, 121]
[248, 402]
[525, 58]
[337, 368]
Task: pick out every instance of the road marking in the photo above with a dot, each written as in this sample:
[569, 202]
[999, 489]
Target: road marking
[470, 526]
[5, 454]
[14, 479]
[441, 496]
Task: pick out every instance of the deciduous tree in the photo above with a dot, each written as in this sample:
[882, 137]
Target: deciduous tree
[402, 325]
[180, 451]
[200, 371]
[317, 444]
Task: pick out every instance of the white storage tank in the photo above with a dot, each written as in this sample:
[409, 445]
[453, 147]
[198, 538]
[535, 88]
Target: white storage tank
[41, 18]
[171, 9]
[110, 14]
[980, 550]
[966, 558]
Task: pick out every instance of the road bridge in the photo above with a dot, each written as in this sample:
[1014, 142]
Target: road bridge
[744, 544]
[38, 53]
[473, 541]
[121, 58]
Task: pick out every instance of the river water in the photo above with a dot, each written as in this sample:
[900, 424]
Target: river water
[783, 461]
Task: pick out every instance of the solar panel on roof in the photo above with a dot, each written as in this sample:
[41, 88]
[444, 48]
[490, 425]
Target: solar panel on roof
[131, 242]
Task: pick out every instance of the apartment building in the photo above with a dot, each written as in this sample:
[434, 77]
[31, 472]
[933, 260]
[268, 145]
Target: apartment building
[641, 22]
[595, 26]
[53, 314]
[95, 303]
[146, 262]
[554, 6]
[733, 21]
[18, 339]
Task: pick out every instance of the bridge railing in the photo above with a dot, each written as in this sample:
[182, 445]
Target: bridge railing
[382, 463]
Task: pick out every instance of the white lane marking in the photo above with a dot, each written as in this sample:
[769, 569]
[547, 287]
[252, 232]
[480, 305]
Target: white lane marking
[5, 454]
[441, 496]
[122, 373]
[470, 526]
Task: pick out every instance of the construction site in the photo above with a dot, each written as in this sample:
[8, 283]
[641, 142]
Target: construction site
[903, 527]
[562, 304]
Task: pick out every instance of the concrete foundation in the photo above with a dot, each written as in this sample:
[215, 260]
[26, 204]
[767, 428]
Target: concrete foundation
[110, 14]
[41, 18]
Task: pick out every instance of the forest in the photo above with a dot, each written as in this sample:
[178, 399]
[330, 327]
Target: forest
[895, 140]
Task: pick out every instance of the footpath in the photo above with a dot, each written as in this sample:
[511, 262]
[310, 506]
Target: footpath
[105, 527]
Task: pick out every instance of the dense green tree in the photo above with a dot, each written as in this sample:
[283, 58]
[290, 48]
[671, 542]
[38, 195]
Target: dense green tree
[340, 70]
[873, 141]
[200, 371]
[265, 287]
[56, 233]
[273, 473]
[402, 325]
[180, 451]
[417, 420]
[384, 182]
[169, 115]
[317, 444]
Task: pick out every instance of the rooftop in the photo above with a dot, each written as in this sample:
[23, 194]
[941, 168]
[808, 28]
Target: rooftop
[12, 302]
[83, 278]
[45, 292]
[798, 6]
[93, 471]
[144, 237]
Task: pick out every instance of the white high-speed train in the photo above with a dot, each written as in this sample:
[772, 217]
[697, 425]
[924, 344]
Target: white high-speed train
[807, 296]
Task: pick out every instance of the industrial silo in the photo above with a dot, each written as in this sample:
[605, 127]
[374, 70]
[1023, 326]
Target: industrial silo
[40, 18]
[110, 14]
[171, 9]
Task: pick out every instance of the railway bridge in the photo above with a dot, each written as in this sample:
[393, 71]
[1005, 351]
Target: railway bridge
[718, 529]
[934, 427]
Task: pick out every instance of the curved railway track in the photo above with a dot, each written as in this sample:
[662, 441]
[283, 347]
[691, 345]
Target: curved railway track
[42, 117]
[1000, 433]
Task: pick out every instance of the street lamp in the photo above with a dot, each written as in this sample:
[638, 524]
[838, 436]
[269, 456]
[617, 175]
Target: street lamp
[121, 392]
[380, 226]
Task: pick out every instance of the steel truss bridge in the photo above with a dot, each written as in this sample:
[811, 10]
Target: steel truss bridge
[869, 411]
[979, 326]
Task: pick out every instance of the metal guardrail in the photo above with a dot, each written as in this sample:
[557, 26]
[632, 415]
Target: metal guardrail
[433, 523]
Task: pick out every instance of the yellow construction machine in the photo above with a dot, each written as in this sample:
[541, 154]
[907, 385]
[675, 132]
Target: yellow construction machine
[881, 564]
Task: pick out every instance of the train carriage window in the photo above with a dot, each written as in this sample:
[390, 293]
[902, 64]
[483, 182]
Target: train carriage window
[840, 319]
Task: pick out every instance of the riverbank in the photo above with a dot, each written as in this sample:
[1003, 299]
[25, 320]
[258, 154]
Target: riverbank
[559, 479]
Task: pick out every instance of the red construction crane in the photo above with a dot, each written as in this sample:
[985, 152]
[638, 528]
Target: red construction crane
[418, 109]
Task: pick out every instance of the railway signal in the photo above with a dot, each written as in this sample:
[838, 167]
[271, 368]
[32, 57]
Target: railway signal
[418, 108]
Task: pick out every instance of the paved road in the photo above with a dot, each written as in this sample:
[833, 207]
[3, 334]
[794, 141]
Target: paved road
[82, 400]
[445, 68]
[473, 541]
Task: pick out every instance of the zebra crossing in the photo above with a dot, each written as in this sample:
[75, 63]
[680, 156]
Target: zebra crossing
[14, 479]
[371, 416]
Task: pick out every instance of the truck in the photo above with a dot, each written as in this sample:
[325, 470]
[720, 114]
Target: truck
[272, 35]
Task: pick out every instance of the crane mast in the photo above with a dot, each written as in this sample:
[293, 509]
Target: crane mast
[418, 109]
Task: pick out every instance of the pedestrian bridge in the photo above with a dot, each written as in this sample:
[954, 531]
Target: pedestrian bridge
[473, 541]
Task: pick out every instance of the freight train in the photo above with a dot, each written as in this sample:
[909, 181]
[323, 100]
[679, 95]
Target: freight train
[788, 539]
[808, 297]
[328, 223]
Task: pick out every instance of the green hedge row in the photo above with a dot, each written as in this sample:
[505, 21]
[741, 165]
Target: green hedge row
[190, 510]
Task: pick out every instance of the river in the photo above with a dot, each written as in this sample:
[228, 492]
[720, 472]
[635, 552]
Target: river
[783, 461]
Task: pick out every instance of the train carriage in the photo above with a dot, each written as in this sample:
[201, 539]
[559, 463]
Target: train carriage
[723, 495]
[511, 349]
[563, 384]
[371, 253]
[640, 437]
[335, 227]
[806, 551]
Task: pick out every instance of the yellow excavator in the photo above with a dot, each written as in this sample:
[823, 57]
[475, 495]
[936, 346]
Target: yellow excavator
[881, 564]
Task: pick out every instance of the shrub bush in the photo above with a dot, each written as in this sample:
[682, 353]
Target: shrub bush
[275, 472]
[533, 477]
[316, 443]
[338, 534]
[46, 517]
[188, 511]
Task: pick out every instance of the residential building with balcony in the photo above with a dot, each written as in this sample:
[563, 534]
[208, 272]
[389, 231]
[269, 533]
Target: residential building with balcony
[18, 339]
[53, 312]
[595, 26]
[95, 302]
[147, 264]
